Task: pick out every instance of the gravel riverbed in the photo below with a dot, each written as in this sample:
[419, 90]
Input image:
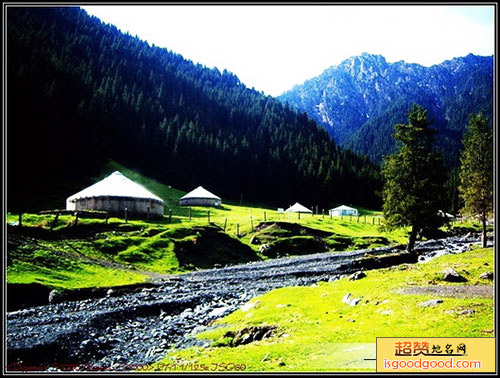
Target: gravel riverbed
[122, 332]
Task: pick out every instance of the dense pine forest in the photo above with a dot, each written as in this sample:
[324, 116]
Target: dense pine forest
[81, 92]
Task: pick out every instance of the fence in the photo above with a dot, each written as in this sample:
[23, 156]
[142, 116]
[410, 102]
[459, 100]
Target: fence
[240, 223]
[244, 224]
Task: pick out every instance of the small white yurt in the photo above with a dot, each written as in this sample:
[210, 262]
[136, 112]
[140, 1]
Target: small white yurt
[114, 194]
[200, 197]
[343, 210]
[298, 208]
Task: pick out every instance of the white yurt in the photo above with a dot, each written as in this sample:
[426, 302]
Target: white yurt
[298, 208]
[114, 194]
[344, 210]
[200, 197]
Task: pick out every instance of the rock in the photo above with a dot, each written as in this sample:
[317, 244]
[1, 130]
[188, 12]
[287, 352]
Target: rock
[216, 312]
[249, 305]
[282, 305]
[350, 301]
[346, 299]
[354, 302]
[486, 276]
[55, 297]
[110, 292]
[430, 303]
[450, 275]
[466, 312]
[357, 275]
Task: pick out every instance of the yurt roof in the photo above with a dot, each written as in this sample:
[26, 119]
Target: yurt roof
[200, 192]
[344, 207]
[298, 208]
[115, 185]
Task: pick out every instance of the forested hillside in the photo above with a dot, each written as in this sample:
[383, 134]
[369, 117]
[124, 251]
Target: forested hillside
[81, 92]
[360, 100]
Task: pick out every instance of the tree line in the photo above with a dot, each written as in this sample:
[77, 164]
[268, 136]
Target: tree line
[81, 92]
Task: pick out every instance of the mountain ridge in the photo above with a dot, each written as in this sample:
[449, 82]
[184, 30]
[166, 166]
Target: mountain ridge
[355, 99]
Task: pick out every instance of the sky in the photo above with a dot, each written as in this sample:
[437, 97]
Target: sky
[273, 48]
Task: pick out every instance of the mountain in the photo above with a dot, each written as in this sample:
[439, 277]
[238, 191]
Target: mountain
[359, 101]
[80, 92]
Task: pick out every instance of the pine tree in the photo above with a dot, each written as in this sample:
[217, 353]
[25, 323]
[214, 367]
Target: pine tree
[413, 177]
[476, 172]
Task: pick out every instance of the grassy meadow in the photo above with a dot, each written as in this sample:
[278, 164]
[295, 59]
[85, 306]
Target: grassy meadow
[119, 252]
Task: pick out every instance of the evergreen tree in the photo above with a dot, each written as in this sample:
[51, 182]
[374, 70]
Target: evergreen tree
[413, 177]
[476, 173]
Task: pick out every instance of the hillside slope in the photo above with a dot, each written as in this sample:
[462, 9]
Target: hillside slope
[81, 92]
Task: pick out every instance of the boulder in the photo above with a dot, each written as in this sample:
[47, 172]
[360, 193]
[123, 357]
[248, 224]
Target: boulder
[450, 275]
[486, 276]
[357, 275]
[430, 303]
[346, 299]
[350, 301]
[55, 297]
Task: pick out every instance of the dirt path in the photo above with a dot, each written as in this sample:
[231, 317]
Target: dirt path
[461, 291]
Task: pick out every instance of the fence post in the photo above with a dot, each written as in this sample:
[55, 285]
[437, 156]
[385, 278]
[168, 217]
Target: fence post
[323, 213]
[225, 224]
[237, 229]
[126, 215]
[379, 221]
[373, 220]
[169, 215]
[365, 219]
[299, 214]
[265, 217]
[76, 218]
[20, 224]
[189, 211]
[208, 216]
[358, 218]
[251, 222]
[54, 223]
[107, 217]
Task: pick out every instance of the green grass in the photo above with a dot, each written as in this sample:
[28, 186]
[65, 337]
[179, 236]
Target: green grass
[175, 245]
[129, 254]
[317, 332]
[56, 265]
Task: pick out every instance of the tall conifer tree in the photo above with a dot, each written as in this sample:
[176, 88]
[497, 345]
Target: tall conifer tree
[413, 177]
[476, 173]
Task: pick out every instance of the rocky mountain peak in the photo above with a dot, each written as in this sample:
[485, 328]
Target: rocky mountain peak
[364, 96]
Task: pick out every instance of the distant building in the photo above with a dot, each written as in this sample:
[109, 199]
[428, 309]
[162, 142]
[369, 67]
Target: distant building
[200, 197]
[343, 210]
[114, 194]
[298, 208]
